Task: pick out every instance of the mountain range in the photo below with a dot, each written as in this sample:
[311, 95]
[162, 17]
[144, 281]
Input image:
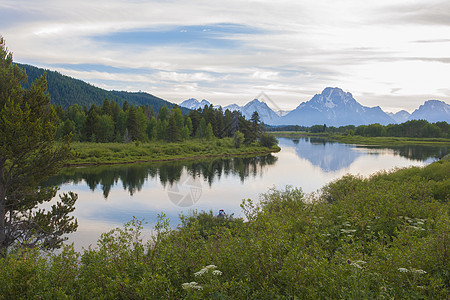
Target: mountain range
[334, 107]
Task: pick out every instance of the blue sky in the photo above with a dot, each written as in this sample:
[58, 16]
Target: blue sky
[390, 53]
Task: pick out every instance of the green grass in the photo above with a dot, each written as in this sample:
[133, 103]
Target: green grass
[389, 141]
[116, 153]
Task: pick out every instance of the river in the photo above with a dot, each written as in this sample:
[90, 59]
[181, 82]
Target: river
[112, 195]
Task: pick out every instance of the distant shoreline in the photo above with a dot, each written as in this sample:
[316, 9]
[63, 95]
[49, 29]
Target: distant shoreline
[369, 141]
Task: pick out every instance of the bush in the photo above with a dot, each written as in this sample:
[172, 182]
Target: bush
[238, 139]
[268, 140]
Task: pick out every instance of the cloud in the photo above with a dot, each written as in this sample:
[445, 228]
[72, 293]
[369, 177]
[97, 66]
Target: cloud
[230, 52]
[433, 12]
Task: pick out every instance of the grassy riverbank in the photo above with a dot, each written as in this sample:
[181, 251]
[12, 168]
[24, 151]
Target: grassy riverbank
[361, 140]
[382, 237]
[119, 153]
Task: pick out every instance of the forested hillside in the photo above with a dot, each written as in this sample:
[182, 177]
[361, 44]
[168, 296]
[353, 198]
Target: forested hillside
[65, 91]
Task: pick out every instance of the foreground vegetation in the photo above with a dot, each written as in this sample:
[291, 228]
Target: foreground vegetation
[116, 153]
[384, 237]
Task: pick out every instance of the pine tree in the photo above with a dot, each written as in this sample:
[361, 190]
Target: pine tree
[151, 129]
[27, 157]
[173, 133]
[209, 135]
[133, 124]
[201, 130]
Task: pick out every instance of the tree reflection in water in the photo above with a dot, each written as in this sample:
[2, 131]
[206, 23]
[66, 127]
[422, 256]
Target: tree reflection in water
[134, 176]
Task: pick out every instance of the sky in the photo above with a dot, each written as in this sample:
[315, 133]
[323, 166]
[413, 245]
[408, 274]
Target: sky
[389, 53]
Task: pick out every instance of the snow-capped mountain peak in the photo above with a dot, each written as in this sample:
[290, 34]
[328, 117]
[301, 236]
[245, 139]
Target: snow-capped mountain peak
[266, 114]
[334, 107]
[193, 103]
[232, 107]
[432, 111]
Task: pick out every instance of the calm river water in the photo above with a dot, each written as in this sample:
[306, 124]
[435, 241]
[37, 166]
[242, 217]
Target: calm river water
[112, 195]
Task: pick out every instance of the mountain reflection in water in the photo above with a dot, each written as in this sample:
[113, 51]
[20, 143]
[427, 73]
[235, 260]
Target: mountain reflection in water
[333, 156]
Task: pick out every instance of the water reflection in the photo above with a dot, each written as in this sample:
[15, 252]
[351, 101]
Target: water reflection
[145, 190]
[333, 156]
[133, 177]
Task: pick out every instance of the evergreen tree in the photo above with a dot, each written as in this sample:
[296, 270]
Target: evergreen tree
[189, 127]
[176, 111]
[201, 130]
[161, 130]
[106, 107]
[163, 113]
[219, 129]
[125, 105]
[173, 133]
[106, 129]
[92, 125]
[28, 156]
[133, 124]
[121, 126]
[209, 134]
[151, 129]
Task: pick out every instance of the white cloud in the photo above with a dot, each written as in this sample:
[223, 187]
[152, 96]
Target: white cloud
[292, 49]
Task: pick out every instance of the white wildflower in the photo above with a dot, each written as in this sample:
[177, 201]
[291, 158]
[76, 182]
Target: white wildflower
[191, 285]
[356, 265]
[217, 272]
[185, 286]
[199, 273]
[418, 271]
[210, 267]
[403, 270]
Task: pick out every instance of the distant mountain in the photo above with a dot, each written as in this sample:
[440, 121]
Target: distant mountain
[334, 107]
[400, 117]
[267, 115]
[65, 91]
[282, 113]
[232, 107]
[194, 103]
[432, 111]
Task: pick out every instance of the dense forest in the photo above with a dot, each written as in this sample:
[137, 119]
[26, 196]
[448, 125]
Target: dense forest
[112, 123]
[410, 129]
[66, 91]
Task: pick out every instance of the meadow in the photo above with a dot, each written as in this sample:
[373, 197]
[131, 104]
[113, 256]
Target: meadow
[86, 153]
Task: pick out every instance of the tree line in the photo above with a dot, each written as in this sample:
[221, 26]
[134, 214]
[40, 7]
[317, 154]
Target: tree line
[114, 123]
[411, 129]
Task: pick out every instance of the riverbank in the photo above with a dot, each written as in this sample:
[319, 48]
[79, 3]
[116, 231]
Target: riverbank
[361, 140]
[85, 154]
